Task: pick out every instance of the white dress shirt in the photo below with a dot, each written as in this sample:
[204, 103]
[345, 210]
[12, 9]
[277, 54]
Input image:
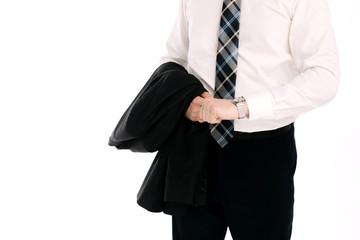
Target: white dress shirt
[287, 62]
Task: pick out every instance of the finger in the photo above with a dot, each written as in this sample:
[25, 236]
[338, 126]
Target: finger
[208, 112]
[191, 117]
[198, 101]
[192, 111]
[212, 114]
[201, 113]
[206, 95]
[196, 115]
[217, 120]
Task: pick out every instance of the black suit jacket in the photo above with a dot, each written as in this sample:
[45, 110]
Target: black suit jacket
[155, 121]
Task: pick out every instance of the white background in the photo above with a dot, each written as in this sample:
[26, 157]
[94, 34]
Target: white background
[68, 71]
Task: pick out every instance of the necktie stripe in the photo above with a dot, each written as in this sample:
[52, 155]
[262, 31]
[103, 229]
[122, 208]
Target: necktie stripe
[229, 26]
[227, 6]
[227, 42]
[227, 79]
[227, 60]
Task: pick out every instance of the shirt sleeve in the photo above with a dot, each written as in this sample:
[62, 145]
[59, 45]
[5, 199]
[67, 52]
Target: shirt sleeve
[313, 47]
[178, 42]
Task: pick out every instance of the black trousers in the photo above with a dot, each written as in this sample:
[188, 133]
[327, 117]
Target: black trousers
[255, 190]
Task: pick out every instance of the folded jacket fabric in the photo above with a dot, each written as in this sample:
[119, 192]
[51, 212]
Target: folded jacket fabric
[155, 121]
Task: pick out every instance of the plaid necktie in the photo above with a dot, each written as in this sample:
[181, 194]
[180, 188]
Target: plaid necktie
[226, 63]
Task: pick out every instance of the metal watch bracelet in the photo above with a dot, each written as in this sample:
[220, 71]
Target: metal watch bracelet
[240, 104]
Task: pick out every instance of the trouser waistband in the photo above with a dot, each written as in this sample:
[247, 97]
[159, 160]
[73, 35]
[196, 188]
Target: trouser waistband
[263, 134]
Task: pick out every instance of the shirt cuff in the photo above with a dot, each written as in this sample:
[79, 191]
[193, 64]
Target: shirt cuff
[260, 105]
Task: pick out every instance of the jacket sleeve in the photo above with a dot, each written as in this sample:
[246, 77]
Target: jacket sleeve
[312, 44]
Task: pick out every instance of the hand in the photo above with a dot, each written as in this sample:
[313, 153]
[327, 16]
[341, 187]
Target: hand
[193, 111]
[214, 110]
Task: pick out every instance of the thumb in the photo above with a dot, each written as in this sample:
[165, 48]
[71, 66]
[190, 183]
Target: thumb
[206, 95]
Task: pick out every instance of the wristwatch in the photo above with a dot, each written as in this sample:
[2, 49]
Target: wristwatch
[240, 104]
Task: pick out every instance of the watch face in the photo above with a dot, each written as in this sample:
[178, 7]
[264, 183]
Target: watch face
[239, 99]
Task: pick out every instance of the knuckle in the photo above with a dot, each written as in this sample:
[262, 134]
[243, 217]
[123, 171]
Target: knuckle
[196, 100]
